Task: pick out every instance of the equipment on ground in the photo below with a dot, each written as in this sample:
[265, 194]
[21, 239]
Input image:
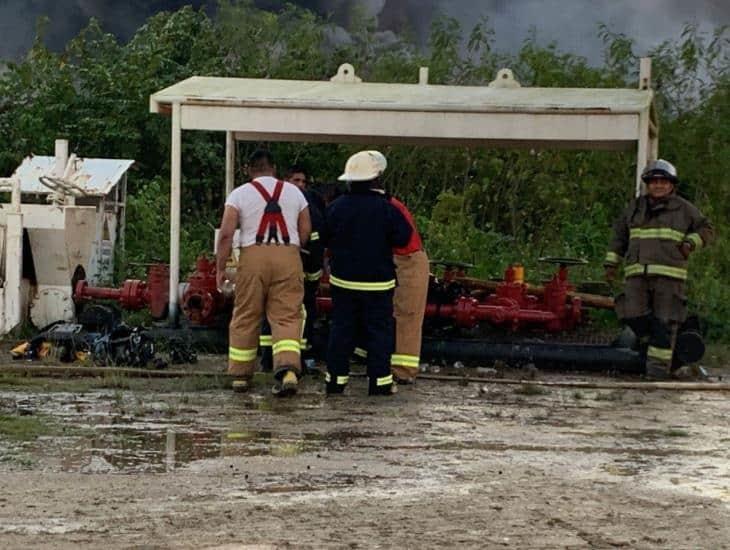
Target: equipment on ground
[466, 318]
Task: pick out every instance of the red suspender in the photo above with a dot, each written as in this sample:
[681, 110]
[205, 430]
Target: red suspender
[272, 217]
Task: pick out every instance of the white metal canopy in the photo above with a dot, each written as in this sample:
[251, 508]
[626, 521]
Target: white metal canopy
[347, 110]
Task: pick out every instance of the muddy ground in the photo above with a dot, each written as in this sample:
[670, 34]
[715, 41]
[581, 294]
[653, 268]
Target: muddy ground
[123, 463]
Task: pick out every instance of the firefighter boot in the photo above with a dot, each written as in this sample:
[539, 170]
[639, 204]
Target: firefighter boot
[288, 384]
[335, 385]
[389, 389]
[241, 385]
[383, 385]
[656, 371]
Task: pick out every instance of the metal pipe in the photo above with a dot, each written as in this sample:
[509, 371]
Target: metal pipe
[588, 357]
[175, 177]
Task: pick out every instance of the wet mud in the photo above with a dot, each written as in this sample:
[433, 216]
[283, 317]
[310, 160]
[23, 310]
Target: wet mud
[438, 465]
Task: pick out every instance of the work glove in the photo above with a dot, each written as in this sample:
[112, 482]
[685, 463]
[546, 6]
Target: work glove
[685, 248]
[610, 274]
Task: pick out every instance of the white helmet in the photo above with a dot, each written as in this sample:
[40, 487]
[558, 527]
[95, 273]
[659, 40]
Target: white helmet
[364, 166]
[660, 168]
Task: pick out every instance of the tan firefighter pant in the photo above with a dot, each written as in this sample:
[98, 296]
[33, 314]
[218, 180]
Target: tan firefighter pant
[269, 281]
[409, 305]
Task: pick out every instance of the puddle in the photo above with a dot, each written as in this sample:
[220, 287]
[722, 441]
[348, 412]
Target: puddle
[127, 449]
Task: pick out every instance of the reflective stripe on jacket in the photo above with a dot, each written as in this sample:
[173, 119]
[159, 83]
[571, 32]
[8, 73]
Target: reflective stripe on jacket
[361, 229]
[648, 236]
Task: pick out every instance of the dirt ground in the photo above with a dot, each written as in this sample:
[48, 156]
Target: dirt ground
[173, 464]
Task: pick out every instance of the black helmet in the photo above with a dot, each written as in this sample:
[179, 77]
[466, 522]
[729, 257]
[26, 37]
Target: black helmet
[659, 169]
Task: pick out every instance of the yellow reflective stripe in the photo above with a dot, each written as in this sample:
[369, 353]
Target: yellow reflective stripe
[286, 345]
[265, 340]
[385, 380]
[404, 360]
[242, 355]
[314, 236]
[695, 239]
[357, 285]
[667, 271]
[361, 352]
[612, 258]
[656, 233]
[313, 276]
[659, 353]
[656, 269]
[341, 380]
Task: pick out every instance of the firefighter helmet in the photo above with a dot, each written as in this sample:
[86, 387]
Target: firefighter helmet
[659, 169]
[364, 166]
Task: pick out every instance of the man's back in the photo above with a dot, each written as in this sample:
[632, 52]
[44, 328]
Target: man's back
[362, 229]
[251, 205]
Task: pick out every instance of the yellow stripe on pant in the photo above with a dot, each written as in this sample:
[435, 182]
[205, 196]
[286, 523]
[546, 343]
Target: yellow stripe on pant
[405, 360]
[241, 355]
[662, 354]
[341, 380]
[286, 345]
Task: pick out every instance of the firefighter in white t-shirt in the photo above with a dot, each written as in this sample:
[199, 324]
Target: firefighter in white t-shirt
[273, 218]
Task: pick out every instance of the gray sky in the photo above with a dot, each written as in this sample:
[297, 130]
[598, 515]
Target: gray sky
[572, 23]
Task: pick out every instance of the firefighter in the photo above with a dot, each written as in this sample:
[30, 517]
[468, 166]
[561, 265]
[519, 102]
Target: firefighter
[409, 304]
[655, 236]
[273, 217]
[362, 227]
[312, 256]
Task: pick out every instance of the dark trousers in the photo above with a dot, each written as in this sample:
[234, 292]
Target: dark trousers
[310, 305]
[654, 307]
[371, 312]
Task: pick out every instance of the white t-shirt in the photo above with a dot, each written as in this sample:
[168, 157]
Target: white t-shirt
[250, 205]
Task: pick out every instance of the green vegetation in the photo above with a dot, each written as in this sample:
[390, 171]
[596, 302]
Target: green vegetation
[484, 206]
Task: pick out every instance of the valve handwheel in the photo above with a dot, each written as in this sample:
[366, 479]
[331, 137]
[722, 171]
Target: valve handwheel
[562, 262]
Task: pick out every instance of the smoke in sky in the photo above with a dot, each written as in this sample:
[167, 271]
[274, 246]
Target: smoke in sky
[570, 23]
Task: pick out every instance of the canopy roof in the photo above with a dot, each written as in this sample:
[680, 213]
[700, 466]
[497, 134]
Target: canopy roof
[346, 110]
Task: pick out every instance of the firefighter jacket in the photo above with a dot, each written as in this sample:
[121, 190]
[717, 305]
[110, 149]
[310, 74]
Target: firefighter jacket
[362, 227]
[648, 236]
[313, 253]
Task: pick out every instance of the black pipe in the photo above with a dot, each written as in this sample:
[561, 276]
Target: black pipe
[545, 355]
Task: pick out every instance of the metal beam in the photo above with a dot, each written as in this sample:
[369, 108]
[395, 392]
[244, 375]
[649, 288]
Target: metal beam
[642, 151]
[500, 129]
[175, 179]
[230, 162]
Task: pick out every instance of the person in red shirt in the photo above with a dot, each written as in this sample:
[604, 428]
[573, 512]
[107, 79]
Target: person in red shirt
[409, 302]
